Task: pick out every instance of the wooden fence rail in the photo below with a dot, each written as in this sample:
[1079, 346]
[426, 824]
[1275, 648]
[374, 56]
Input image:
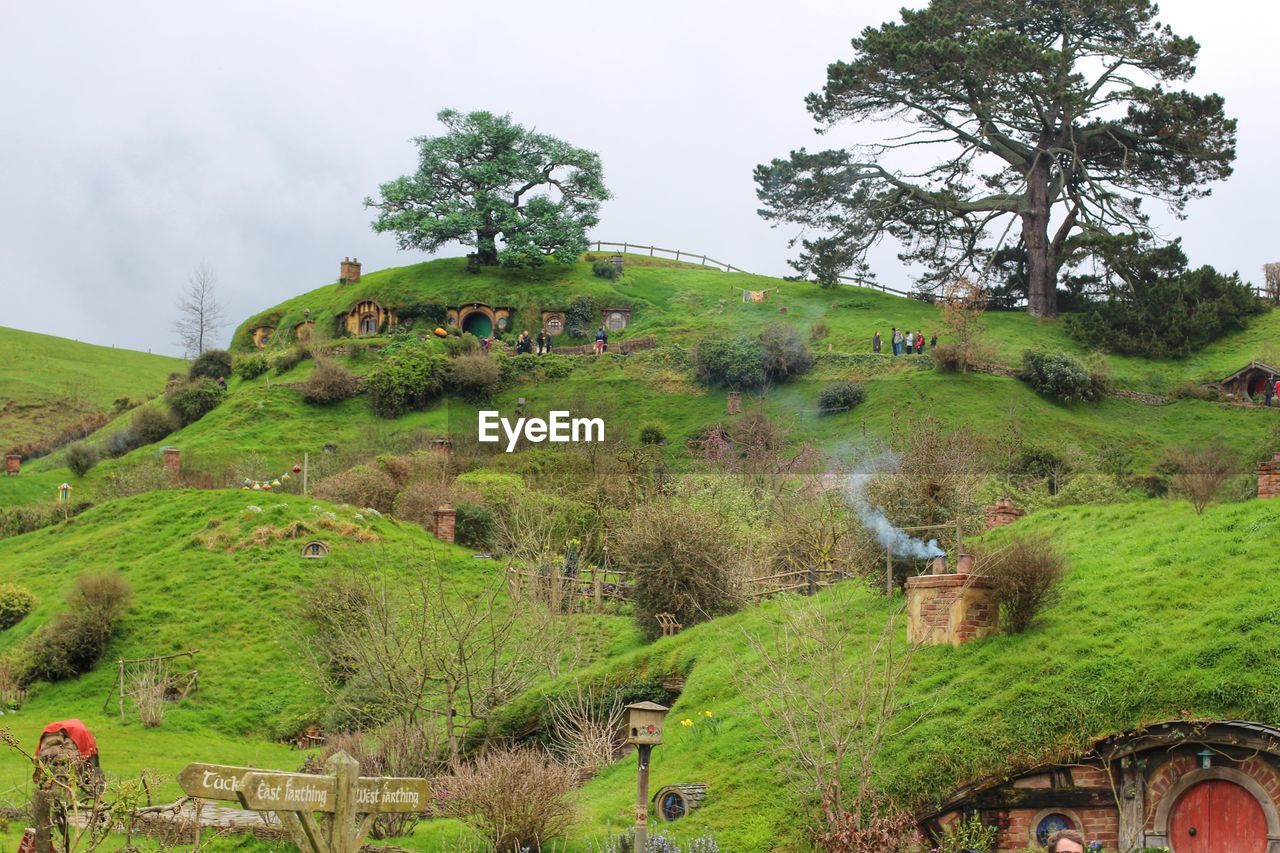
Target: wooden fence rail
[678, 254]
[587, 592]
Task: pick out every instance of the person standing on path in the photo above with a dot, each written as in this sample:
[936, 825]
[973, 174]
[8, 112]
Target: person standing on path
[933, 342]
[875, 342]
[895, 341]
[920, 343]
[910, 342]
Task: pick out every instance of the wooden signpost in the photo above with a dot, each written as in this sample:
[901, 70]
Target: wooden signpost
[323, 814]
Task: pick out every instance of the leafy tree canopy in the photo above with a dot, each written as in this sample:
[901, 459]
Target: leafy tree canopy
[1156, 306]
[1054, 115]
[487, 179]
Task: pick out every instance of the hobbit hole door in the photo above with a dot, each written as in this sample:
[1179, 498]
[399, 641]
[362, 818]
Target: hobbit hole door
[1218, 816]
[368, 324]
[478, 324]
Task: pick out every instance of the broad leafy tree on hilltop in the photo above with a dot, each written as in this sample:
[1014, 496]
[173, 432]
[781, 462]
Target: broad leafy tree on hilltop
[487, 179]
[1054, 115]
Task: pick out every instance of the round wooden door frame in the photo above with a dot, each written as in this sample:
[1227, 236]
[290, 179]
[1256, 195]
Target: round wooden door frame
[1164, 812]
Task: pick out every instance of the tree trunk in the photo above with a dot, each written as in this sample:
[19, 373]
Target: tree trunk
[1042, 273]
[487, 248]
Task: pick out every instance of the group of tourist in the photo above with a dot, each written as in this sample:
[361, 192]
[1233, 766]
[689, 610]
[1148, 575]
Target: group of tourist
[1272, 388]
[525, 344]
[908, 342]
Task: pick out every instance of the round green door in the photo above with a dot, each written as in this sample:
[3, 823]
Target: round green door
[478, 324]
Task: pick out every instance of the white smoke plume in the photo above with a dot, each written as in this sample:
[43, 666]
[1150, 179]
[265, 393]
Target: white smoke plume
[890, 536]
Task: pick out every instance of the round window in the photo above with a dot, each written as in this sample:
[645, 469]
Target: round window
[673, 806]
[1050, 824]
[502, 322]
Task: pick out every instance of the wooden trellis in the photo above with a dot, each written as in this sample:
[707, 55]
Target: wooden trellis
[178, 685]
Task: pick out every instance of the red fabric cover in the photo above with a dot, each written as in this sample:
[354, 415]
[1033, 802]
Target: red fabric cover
[78, 733]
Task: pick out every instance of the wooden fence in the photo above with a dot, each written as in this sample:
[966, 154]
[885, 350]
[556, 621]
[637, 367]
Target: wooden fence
[804, 581]
[588, 592]
[677, 254]
[624, 347]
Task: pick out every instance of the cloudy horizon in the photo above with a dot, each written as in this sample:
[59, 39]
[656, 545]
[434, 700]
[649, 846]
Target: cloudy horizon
[145, 139]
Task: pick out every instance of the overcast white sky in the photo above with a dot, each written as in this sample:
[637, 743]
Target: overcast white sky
[140, 139]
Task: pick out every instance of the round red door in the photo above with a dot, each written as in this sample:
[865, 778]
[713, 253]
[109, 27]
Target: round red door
[1218, 817]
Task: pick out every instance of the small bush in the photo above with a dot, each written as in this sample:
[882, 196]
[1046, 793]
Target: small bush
[1201, 473]
[192, 401]
[462, 344]
[653, 433]
[287, 360]
[951, 358]
[606, 270]
[409, 377]
[1026, 575]
[682, 560]
[81, 458]
[519, 799]
[329, 382]
[735, 362]
[786, 352]
[151, 424]
[251, 366]
[360, 486]
[420, 500]
[120, 405]
[16, 520]
[1063, 377]
[475, 377]
[15, 604]
[211, 364]
[474, 525]
[818, 331]
[73, 642]
[579, 317]
[840, 397]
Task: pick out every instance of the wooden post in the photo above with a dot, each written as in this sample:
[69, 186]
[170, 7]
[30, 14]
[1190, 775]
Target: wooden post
[597, 587]
[306, 463]
[342, 829]
[41, 806]
[120, 665]
[888, 571]
[959, 540]
[642, 798]
[813, 581]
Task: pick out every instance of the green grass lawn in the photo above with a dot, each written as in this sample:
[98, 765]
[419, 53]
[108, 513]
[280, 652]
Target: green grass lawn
[49, 383]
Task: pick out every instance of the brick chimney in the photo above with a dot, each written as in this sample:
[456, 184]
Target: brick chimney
[173, 461]
[446, 518]
[1269, 478]
[950, 608]
[1003, 512]
[349, 271]
[12, 464]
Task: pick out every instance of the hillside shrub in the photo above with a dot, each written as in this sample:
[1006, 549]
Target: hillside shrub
[653, 432]
[426, 312]
[519, 799]
[1026, 574]
[211, 364]
[120, 405]
[579, 317]
[681, 560]
[1063, 377]
[550, 366]
[81, 458]
[818, 331]
[149, 425]
[420, 500]
[192, 401]
[329, 382]
[1200, 473]
[17, 520]
[1115, 459]
[840, 397]
[786, 352]
[461, 344]
[15, 604]
[361, 486]
[474, 525]
[251, 366]
[74, 641]
[475, 377]
[735, 362]
[606, 270]
[409, 377]
[287, 360]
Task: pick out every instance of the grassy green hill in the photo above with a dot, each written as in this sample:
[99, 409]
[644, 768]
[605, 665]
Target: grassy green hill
[1164, 612]
[50, 384]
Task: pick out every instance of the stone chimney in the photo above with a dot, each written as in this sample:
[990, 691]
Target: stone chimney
[950, 608]
[173, 461]
[445, 523]
[1269, 477]
[349, 271]
[1003, 512]
[12, 464]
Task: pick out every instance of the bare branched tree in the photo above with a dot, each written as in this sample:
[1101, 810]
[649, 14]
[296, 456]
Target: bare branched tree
[584, 726]
[200, 315]
[829, 699]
